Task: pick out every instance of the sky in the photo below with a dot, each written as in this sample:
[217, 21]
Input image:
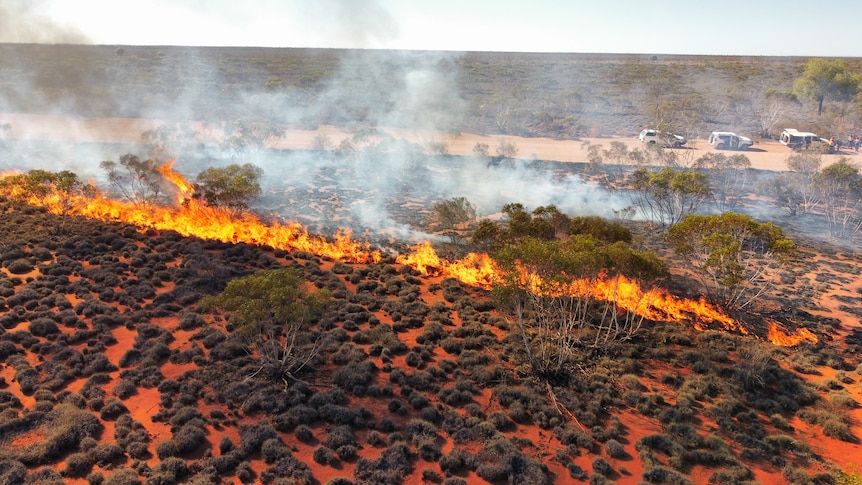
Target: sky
[826, 28]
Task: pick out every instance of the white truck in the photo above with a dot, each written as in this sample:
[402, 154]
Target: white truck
[669, 140]
[801, 140]
[726, 140]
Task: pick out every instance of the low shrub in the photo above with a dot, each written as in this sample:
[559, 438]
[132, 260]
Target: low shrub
[615, 449]
[77, 465]
[105, 454]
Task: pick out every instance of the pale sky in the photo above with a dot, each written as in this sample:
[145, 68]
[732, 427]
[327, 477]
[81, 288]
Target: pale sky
[823, 28]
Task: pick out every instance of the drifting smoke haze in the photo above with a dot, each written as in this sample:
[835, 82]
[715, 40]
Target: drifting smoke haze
[380, 177]
[23, 21]
[384, 187]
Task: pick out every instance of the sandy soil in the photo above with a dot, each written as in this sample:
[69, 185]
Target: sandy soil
[766, 155]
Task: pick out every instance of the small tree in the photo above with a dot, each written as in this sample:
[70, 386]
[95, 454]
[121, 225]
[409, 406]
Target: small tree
[322, 142]
[563, 295]
[273, 314]
[480, 150]
[234, 186]
[824, 79]
[244, 139]
[728, 177]
[58, 191]
[733, 254]
[506, 149]
[794, 190]
[437, 147]
[668, 195]
[136, 180]
[840, 189]
[453, 216]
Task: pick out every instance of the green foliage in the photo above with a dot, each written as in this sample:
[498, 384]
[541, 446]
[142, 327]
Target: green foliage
[233, 187]
[272, 311]
[599, 228]
[551, 287]
[731, 252]
[544, 223]
[668, 195]
[850, 476]
[827, 79]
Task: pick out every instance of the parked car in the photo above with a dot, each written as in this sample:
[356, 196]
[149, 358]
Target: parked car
[802, 140]
[665, 139]
[726, 140]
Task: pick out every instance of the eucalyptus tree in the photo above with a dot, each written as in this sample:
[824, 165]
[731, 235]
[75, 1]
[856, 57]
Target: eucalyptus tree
[827, 79]
[668, 195]
[734, 256]
[840, 189]
[234, 186]
[137, 181]
[728, 178]
[563, 295]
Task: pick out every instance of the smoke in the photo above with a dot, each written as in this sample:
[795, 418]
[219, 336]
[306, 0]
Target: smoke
[381, 180]
[21, 21]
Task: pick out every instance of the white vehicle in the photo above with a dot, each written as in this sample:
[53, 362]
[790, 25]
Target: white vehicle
[800, 140]
[665, 139]
[726, 140]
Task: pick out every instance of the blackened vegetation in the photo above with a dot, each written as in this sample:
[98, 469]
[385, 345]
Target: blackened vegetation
[396, 378]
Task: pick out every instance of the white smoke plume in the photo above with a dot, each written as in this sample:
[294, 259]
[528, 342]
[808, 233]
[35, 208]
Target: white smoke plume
[22, 21]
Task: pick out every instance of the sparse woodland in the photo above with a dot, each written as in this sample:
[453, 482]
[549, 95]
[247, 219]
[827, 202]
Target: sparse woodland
[136, 355]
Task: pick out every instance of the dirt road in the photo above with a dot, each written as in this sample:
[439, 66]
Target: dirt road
[769, 155]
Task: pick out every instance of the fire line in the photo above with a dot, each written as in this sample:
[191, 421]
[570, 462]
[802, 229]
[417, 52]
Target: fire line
[192, 217]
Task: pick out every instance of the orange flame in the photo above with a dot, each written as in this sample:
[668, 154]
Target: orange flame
[168, 172]
[778, 337]
[474, 269]
[626, 294]
[194, 218]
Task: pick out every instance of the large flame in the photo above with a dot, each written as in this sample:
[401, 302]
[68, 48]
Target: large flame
[192, 217]
[474, 269]
[626, 294]
[777, 335]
